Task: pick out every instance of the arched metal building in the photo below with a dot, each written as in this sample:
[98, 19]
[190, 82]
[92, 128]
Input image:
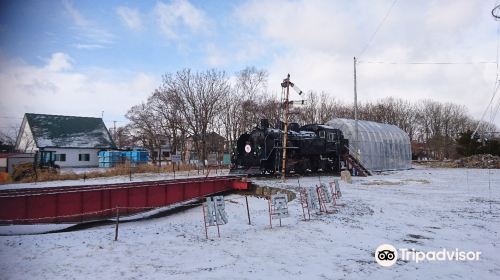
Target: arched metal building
[380, 146]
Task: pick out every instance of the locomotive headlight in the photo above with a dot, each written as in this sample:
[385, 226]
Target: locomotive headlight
[248, 149]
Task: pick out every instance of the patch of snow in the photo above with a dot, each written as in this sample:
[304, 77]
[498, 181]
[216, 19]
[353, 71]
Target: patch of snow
[453, 208]
[31, 229]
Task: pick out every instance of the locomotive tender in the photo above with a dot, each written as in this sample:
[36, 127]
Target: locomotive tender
[310, 148]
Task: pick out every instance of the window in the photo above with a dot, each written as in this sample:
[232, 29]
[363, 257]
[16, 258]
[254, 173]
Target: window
[330, 137]
[83, 157]
[322, 134]
[60, 157]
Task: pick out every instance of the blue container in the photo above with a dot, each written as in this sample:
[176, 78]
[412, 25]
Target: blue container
[113, 158]
[136, 157]
[110, 158]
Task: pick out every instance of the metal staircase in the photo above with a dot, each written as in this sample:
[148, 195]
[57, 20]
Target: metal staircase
[356, 164]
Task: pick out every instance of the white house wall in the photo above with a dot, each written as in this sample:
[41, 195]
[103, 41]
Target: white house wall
[26, 143]
[72, 156]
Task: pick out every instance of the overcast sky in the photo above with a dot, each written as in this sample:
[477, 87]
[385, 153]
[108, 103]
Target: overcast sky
[85, 57]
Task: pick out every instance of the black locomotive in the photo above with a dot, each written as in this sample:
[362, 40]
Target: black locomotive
[310, 148]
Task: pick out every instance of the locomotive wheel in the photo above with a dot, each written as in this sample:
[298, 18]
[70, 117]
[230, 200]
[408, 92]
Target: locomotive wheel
[314, 167]
[314, 162]
[299, 169]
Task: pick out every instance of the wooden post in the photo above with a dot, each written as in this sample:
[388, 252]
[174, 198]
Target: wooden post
[467, 174]
[248, 210]
[204, 220]
[173, 168]
[270, 221]
[301, 205]
[208, 172]
[36, 173]
[130, 172]
[117, 221]
[308, 213]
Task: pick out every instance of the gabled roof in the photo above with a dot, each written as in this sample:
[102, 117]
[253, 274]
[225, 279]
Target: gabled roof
[68, 131]
[211, 136]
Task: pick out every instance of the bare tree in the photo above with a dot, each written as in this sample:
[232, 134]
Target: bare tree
[172, 122]
[145, 126]
[198, 97]
[123, 137]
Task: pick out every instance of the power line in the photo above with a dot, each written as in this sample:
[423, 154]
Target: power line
[428, 62]
[493, 111]
[377, 29]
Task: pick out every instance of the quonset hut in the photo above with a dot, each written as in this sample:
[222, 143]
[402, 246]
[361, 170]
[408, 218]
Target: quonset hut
[380, 146]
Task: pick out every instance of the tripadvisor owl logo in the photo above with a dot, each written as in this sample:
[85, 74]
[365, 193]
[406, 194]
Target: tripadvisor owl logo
[386, 255]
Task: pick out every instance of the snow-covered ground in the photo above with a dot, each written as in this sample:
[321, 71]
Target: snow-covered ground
[425, 209]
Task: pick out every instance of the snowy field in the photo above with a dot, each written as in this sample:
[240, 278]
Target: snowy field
[425, 209]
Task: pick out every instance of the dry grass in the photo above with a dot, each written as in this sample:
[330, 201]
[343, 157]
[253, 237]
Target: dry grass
[120, 170]
[5, 178]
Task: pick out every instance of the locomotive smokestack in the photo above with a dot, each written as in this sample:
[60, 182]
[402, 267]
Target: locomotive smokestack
[264, 123]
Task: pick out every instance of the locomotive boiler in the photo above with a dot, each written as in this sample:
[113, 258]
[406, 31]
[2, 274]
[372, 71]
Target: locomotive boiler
[310, 148]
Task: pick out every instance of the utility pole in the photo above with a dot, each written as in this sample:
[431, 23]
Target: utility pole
[355, 112]
[286, 83]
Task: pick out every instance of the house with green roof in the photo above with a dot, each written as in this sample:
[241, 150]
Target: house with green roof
[76, 141]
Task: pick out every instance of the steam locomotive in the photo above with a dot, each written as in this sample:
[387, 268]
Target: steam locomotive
[309, 148]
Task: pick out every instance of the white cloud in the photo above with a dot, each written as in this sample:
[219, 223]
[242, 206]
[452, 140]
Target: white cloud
[78, 19]
[88, 46]
[94, 35]
[58, 62]
[315, 42]
[56, 89]
[315, 25]
[130, 17]
[450, 15]
[239, 51]
[215, 57]
[179, 15]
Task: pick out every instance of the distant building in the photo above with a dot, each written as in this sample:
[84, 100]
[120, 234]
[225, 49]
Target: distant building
[10, 160]
[76, 141]
[162, 153]
[215, 144]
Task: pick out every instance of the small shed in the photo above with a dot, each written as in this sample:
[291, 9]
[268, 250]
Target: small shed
[9, 161]
[380, 146]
